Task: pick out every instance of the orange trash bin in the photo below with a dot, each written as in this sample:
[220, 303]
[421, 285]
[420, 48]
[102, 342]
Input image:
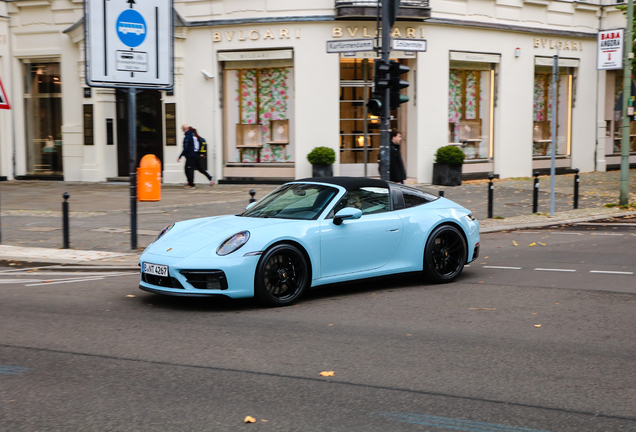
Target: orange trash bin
[149, 179]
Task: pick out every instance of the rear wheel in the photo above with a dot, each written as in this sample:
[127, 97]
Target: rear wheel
[282, 276]
[445, 254]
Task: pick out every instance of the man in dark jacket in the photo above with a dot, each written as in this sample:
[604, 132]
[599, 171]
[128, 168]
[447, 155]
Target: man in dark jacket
[397, 173]
[191, 153]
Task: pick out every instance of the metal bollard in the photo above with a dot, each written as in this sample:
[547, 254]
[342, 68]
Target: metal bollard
[252, 193]
[65, 232]
[535, 195]
[576, 188]
[441, 193]
[490, 195]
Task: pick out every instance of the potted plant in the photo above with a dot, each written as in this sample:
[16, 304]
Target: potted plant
[447, 169]
[322, 159]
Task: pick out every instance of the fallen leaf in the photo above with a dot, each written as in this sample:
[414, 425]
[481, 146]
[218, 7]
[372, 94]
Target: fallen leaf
[250, 419]
[486, 258]
[542, 244]
[532, 244]
[537, 325]
[514, 243]
[130, 295]
[327, 373]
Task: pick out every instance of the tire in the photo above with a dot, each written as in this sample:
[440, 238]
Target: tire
[282, 276]
[445, 254]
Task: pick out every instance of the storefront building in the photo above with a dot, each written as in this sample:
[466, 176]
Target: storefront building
[254, 78]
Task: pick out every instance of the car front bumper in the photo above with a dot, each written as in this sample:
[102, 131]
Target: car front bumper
[232, 277]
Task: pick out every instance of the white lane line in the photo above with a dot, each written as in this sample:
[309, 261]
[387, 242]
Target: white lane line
[611, 272]
[18, 281]
[564, 233]
[75, 273]
[555, 270]
[607, 234]
[66, 281]
[504, 268]
[76, 279]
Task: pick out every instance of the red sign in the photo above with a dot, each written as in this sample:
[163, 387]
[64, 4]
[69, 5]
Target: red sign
[4, 101]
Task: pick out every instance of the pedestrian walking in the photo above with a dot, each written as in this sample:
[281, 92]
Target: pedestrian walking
[191, 147]
[397, 173]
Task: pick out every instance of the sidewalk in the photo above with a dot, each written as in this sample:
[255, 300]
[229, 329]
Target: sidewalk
[100, 219]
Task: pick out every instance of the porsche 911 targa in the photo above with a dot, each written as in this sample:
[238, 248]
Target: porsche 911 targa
[309, 233]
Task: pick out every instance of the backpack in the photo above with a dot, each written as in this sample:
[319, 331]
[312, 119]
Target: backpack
[203, 146]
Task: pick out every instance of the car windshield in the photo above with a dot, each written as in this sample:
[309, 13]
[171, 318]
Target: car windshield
[293, 201]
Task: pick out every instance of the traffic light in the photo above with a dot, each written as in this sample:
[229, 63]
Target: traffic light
[397, 83]
[381, 81]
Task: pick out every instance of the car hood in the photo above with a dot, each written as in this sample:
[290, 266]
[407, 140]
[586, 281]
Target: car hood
[190, 236]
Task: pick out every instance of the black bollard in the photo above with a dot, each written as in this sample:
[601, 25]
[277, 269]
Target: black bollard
[490, 195]
[252, 193]
[65, 232]
[576, 188]
[535, 195]
[441, 193]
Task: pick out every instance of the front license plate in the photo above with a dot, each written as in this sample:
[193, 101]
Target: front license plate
[156, 269]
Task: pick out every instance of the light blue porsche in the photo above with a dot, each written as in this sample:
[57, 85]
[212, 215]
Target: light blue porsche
[308, 233]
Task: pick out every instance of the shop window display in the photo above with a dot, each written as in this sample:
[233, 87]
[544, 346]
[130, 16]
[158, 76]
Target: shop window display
[543, 112]
[470, 109]
[260, 100]
[43, 117]
[617, 128]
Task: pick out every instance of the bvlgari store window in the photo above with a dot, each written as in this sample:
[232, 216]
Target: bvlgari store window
[43, 117]
[471, 103]
[258, 108]
[543, 108]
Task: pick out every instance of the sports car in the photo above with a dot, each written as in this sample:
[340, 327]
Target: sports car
[308, 233]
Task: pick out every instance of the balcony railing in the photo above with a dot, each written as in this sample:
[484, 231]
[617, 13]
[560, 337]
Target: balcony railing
[410, 10]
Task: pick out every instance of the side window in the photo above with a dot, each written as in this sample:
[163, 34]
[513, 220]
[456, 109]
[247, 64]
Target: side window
[414, 197]
[368, 199]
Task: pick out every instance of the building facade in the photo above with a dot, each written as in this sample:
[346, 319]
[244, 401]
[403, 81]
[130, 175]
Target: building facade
[255, 79]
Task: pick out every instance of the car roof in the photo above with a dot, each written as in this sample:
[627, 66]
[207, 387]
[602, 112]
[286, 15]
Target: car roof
[349, 183]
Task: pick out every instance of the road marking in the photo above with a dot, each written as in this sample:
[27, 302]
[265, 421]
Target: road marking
[12, 370]
[78, 279]
[607, 234]
[504, 268]
[555, 270]
[565, 233]
[611, 272]
[451, 423]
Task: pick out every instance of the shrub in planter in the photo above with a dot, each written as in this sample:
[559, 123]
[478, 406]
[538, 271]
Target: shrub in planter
[322, 159]
[447, 169]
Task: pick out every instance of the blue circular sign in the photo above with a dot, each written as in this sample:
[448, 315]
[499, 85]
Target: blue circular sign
[131, 28]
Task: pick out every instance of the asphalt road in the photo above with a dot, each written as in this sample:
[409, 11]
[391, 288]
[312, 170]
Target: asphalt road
[530, 338]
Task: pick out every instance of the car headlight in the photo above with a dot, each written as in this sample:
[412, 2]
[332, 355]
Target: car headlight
[163, 232]
[470, 217]
[233, 243]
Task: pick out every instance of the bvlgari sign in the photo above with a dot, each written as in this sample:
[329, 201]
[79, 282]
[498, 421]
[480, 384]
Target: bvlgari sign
[610, 49]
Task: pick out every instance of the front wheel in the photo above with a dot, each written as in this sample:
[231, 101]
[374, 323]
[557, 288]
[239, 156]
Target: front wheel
[445, 254]
[282, 276]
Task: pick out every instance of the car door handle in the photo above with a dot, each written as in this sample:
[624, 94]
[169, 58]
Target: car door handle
[393, 228]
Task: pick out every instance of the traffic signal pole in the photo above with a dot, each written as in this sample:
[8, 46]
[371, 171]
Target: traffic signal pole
[385, 152]
[627, 87]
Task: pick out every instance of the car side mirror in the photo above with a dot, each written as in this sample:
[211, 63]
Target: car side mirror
[250, 205]
[347, 213]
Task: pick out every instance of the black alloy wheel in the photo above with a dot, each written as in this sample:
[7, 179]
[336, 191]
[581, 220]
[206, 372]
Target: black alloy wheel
[445, 254]
[282, 276]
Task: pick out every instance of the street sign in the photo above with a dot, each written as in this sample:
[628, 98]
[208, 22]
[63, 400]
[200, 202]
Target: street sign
[610, 49]
[409, 45]
[4, 101]
[350, 45]
[129, 43]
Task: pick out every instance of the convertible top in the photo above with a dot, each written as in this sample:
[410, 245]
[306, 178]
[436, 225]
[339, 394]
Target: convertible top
[349, 183]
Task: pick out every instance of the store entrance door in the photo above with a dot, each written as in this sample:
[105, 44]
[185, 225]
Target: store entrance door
[149, 128]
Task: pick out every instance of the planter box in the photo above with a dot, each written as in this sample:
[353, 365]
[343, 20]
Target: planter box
[447, 175]
[322, 170]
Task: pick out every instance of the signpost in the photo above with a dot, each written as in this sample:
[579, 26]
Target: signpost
[130, 45]
[4, 104]
[409, 45]
[350, 45]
